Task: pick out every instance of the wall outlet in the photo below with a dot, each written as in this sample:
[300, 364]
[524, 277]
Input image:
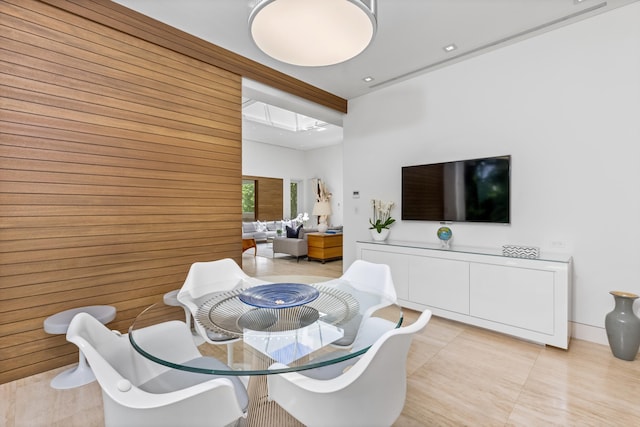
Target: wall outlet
[558, 244]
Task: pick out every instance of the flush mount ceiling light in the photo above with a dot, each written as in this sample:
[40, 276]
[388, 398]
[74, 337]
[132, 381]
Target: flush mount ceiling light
[313, 33]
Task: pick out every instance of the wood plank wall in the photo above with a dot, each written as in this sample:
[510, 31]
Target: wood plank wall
[120, 166]
[118, 17]
[269, 194]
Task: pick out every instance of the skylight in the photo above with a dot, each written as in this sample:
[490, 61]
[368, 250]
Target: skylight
[260, 112]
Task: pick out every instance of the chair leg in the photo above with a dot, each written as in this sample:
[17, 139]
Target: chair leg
[74, 377]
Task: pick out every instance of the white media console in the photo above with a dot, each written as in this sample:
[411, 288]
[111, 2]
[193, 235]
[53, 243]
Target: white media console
[527, 298]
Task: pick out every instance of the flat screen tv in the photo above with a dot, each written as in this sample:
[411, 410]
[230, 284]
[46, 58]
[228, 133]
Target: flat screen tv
[475, 190]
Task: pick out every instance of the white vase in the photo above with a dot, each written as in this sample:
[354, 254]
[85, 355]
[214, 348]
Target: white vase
[381, 236]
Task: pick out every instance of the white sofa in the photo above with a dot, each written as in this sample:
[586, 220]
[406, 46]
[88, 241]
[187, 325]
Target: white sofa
[261, 230]
[254, 230]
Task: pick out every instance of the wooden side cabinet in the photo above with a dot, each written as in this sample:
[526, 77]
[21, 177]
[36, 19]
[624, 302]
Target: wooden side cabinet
[324, 247]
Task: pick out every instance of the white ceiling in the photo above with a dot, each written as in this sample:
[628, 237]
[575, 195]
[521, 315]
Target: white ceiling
[410, 40]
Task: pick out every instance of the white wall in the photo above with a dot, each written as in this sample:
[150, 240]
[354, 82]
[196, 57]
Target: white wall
[271, 161]
[326, 163]
[566, 106]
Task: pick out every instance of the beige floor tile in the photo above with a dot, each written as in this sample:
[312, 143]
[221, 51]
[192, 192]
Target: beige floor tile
[584, 386]
[7, 403]
[475, 379]
[438, 333]
[37, 404]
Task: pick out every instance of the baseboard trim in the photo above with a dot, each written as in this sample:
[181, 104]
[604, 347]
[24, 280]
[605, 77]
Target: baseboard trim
[589, 333]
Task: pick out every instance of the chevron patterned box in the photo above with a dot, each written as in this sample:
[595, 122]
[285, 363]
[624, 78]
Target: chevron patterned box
[521, 251]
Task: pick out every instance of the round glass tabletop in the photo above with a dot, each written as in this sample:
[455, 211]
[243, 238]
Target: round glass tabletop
[302, 336]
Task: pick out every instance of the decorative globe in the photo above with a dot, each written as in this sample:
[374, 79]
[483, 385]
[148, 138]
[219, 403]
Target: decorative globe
[444, 233]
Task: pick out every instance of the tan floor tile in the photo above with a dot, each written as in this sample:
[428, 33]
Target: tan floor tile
[37, 404]
[7, 403]
[583, 386]
[474, 380]
[425, 345]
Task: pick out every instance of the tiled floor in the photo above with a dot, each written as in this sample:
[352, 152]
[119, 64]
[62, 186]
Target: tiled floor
[458, 375]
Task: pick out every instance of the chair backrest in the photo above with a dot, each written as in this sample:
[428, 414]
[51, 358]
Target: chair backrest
[387, 358]
[376, 290]
[120, 370]
[211, 276]
[207, 278]
[376, 382]
[105, 349]
[371, 277]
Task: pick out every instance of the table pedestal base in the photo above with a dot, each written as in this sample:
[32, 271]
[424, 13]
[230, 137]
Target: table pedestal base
[261, 411]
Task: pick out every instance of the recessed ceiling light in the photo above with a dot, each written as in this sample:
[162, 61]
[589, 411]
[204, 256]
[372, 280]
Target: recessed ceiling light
[368, 79]
[450, 47]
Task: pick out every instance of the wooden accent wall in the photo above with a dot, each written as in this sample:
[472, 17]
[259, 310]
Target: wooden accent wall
[118, 17]
[269, 195]
[120, 166]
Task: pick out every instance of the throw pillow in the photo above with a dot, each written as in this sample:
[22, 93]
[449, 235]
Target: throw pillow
[248, 227]
[292, 233]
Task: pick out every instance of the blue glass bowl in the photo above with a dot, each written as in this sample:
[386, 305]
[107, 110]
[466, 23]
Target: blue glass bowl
[279, 295]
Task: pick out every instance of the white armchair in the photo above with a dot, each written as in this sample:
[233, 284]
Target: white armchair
[377, 382]
[376, 283]
[204, 280]
[371, 277]
[138, 392]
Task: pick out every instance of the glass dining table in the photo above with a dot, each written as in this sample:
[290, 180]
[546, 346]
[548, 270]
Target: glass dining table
[305, 326]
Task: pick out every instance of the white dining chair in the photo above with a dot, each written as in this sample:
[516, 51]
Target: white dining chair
[58, 323]
[138, 392]
[205, 280]
[371, 277]
[370, 393]
[377, 290]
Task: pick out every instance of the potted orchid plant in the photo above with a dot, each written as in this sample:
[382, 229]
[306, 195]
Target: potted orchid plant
[302, 218]
[381, 220]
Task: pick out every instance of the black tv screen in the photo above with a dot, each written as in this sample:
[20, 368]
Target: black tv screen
[475, 190]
